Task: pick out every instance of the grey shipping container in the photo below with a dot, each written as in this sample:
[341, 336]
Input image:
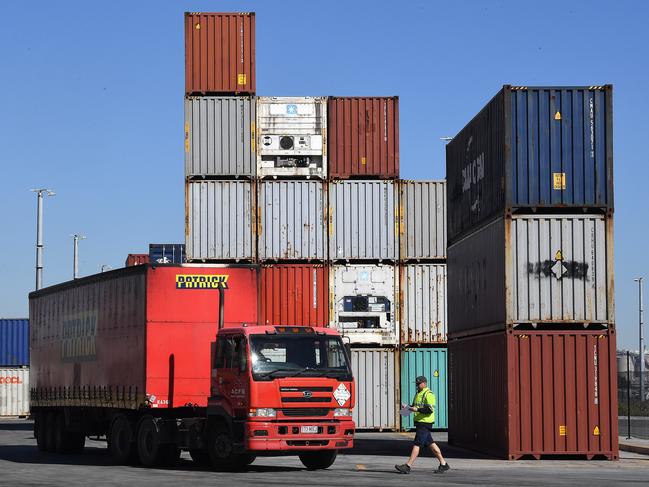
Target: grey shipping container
[423, 303]
[291, 220]
[219, 221]
[363, 224]
[377, 391]
[532, 270]
[422, 220]
[532, 147]
[220, 136]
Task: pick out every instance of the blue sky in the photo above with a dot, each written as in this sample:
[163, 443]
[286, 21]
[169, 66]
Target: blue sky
[91, 105]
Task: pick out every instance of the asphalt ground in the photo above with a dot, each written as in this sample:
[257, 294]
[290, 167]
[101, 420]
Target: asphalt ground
[370, 462]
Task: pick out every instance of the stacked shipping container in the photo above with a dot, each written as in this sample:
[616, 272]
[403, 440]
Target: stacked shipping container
[14, 367]
[530, 255]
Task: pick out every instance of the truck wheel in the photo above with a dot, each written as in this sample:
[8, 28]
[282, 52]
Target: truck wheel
[199, 456]
[148, 442]
[76, 441]
[219, 447]
[39, 430]
[121, 441]
[49, 426]
[60, 437]
[318, 460]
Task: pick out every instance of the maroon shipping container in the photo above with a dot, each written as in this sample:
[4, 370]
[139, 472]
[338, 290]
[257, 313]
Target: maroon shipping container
[534, 394]
[294, 294]
[136, 259]
[219, 53]
[363, 137]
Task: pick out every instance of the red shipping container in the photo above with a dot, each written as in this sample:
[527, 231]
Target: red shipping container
[534, 394]
[294, 294]
[363, 137]
[219, 53]
[137, 333]
[136, 259]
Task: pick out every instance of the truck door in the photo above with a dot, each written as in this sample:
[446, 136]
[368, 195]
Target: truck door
[232, 373]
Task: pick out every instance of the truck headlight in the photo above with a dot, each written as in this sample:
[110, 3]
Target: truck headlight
[342, 412]
[263, 413]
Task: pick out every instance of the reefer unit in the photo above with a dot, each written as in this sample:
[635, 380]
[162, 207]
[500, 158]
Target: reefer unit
[292, 136]
[532, 147]
[422, 220]
[294, 294]
[167, 254]
[219, 52]
[14, 342]
[220, 136]
[291, 220]
[365, 305]
[423, 303]
[431, 363]
[377, 388]
[219, 221]
[534, 393]
[532, 271]
[14, 391]
[363, 137]
[136, 259]
[363, 222]
[134, 335]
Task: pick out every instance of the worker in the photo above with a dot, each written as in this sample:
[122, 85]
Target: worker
[423, 405]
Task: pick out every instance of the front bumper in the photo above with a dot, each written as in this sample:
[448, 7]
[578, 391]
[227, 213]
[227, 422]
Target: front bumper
[275, 435]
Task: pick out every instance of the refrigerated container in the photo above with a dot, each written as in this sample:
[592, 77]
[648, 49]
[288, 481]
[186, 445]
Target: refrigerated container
[14, 391]
[548, 148]
[14, 342]
[363, 135]
[422, 220]
[423, 303]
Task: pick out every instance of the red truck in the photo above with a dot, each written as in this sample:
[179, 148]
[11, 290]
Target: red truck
[136, 355]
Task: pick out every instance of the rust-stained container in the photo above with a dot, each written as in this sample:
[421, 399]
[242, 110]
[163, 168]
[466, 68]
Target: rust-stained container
[363, 137]
[219, 53]
[294, 295]
[136, 259]
[533, 394]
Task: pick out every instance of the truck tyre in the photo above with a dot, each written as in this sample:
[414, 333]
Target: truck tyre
[60, 443]
[121, 441]
[39, 430]
[220, 447]
[199, 456]
[50, 420]
[318, 460]
[150, 450]
[76, 441]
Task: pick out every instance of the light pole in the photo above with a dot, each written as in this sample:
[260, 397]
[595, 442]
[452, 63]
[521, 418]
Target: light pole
[641, 344]
[39, 233]
[105, 267]
[75, 260]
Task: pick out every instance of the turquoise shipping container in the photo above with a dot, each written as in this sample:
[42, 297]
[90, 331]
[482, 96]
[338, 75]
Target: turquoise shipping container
[430, 362]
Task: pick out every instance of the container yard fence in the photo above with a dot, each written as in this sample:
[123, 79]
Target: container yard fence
[633, 408]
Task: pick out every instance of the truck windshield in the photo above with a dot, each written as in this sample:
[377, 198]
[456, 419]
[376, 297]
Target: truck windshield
[298, 355]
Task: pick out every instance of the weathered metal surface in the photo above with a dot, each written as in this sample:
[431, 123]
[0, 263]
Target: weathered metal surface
[363, 223]
[532, 147]
[375, 374]
[534, 393]
[14, 342]
[365, 303]
[219, 52]
[291, 220]
[14, 391]
[220, 136]
[423, 303]
[219, 221]
[363, 137]
[422, 220]
[136, 259]
[292, 136]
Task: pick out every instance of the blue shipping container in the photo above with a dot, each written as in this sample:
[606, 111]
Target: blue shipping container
[430, 362]
[14, 342]
[167, 253]
[532, 147]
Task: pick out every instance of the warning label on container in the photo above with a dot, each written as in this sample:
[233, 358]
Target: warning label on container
[241, 79]
[201, 281]
[562, 430]
[596, 431]
[559, 181]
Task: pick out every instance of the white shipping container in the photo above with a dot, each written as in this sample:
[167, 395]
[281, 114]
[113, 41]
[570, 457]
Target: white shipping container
[422, 216]
[423, 303]
[365, 304]
[14, 391]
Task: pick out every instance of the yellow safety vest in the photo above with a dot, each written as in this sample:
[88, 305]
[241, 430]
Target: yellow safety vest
[422, 398]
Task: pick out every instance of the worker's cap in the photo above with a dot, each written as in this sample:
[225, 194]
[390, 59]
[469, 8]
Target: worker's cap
[421, 379]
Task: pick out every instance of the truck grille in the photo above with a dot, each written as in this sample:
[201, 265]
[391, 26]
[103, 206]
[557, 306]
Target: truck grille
[293, 412]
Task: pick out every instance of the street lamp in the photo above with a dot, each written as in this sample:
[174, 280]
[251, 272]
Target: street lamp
[39, 233]
[641, 344]
[446, 139]
[105, 267]
[75, 259]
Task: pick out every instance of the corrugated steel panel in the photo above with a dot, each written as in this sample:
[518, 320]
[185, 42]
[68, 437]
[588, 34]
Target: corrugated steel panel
[532, 269]
[136, 259]
[219, 52]
[219, 220]
[363, 137]
[220, 136]
[538, 393]
[375, 374]
[422, 218]
[167, 253]
[365, 305]
[363, 224]
[291, 220]
[431, 363]
[292, 136]
[14, 391]
[536, 147]
[423, 303]
[14, 342]
[294, 294]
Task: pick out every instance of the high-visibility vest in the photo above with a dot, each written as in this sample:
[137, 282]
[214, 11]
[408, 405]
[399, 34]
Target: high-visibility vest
[422, 398]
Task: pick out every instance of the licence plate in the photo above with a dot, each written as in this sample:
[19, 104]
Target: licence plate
[309, 429]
